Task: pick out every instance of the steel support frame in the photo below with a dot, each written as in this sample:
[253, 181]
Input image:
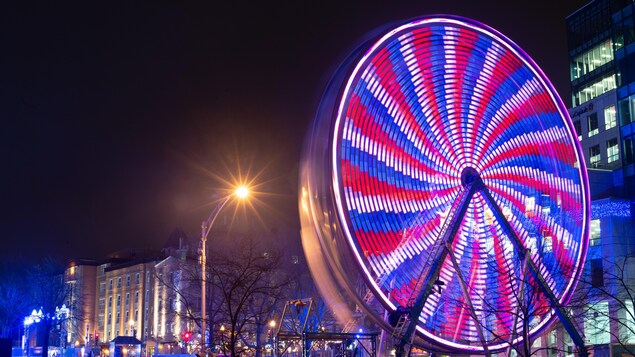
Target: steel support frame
[435, 270]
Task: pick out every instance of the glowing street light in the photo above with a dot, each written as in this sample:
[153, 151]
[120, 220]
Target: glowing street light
[241, 192]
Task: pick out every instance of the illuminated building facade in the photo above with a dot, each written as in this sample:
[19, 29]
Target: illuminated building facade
[174, 312]
[80, 276]
[124, 297]
[132, 297]
[601, 38]
[601, 43]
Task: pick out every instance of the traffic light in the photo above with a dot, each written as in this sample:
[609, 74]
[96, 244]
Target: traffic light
[96, 338]
[187, 336]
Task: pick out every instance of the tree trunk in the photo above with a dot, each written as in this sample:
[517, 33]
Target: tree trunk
[46, 338]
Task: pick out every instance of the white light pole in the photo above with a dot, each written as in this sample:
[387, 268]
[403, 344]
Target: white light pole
[241, 192]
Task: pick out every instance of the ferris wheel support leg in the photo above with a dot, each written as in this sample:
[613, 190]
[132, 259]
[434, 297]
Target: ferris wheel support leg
[560, 311]
[468, 299]
[435, 268]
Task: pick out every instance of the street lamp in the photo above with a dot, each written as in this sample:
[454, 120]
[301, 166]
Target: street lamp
[222, 338]
[272, 339]
[241, 192]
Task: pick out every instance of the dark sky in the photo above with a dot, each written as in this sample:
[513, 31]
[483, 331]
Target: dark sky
[119, 121]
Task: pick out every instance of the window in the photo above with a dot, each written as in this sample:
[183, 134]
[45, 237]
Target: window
[592, 124]
[118, 317]
[109, 301]
[629, 149]
[127, 299]
[596, 324]
[612, 150]
[109, 319]
[137, 279]
[597, 273]
[118, 300]
[127, 280]
[102, 303]
[627, 324]
[592, 59]
[594, 89]
[578, 129]
[594, 155]
[610, 117]
[136, 297]
[119, 282]
[595, 232]
[625, 111]
[110, 285]
[547, 244]
[102, 288]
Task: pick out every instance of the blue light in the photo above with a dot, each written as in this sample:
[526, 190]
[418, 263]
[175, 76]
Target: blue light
[610, 208]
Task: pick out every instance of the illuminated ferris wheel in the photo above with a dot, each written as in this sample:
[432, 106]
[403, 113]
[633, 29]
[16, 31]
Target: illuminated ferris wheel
[443, 169]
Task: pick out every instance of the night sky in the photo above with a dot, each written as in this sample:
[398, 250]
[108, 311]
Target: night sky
[120, 121]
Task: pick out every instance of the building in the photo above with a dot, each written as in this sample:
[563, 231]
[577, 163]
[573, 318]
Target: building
[80, 277]
[602, 73]
[143, 298]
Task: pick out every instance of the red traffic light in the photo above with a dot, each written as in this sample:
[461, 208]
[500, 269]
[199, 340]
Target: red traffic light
[187, 335]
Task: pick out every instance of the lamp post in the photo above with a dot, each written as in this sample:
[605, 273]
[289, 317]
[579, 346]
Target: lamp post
[272, 339]
[222, 338]
[240, 192]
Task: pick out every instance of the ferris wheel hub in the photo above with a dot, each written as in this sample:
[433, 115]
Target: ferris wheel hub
[469, 175]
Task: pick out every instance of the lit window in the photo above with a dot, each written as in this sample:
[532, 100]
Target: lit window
[596, 324]
[594, 89]
[627, 327]
[594, 155]
[592, 124]
[547, 245]
[610, 117]
[592, 59]
[595, 232]
[612, 150]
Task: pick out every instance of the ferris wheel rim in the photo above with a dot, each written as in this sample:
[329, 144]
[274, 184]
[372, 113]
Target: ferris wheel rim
[335, 149]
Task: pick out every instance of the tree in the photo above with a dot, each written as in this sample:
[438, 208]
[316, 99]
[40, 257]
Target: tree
[13, 303]
[606, 299]
[248, 285]
[526, 304]
[49, 292]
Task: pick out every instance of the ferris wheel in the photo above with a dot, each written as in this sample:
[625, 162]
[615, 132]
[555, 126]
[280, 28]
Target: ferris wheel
[443, 169]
